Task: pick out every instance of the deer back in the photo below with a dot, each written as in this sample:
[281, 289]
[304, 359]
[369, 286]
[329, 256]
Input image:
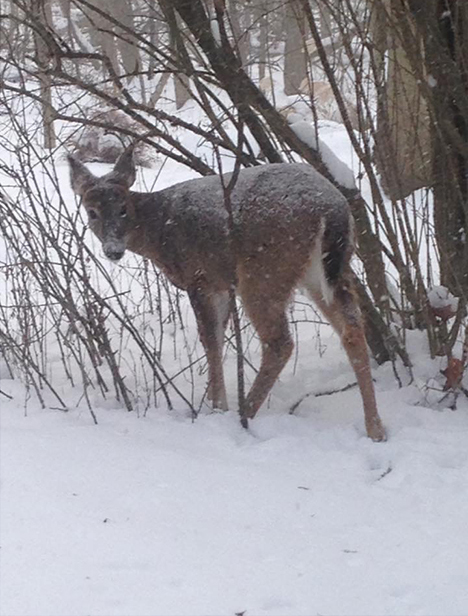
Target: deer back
[279, 212]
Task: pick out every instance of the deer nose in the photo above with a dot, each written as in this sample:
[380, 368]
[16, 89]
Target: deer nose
[114, 255]
[113, 248]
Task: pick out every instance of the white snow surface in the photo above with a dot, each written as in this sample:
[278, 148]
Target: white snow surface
[440, 297]
[215, 31]
[157, 515]
[335, 165]
[302, 515]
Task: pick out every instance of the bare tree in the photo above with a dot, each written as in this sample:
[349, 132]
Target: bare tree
[443, 25]
[42, 17]
[295, 63]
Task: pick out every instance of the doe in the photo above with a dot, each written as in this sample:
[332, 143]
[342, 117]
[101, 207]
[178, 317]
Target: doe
[293, 229]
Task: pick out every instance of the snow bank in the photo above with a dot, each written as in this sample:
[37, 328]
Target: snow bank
[337, 168]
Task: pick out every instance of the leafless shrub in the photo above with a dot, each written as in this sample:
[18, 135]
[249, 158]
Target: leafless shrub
[66, 320]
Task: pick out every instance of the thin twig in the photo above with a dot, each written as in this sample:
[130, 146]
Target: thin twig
[6, 395]
[330, 392]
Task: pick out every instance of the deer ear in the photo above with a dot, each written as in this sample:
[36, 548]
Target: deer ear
[124, 171]
[81, 179]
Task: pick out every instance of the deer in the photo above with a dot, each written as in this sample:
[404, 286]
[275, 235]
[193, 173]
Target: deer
[294, 230]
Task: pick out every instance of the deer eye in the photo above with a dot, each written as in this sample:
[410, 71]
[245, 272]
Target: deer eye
[123, 212]
[92, 214]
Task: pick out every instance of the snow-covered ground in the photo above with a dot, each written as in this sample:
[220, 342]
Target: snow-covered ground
[157, 515]
[303, 515]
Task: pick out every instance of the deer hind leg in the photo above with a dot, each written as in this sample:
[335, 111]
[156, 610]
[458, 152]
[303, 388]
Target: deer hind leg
[345, 317]
[212, 313]
[269, 319]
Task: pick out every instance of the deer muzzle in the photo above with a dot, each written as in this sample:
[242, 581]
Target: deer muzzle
[114, 249]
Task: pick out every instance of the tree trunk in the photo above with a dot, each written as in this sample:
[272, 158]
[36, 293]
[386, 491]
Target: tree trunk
[262, 19]
[443, 26]
[181, 61]
[241, 35]
[153, 33]
[43, 14]
[101, 33]
[129, 53]
[182, 90]
[402, 140]
[295, 62]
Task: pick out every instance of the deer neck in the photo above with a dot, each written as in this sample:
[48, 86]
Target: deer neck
[150, 237]
[144, 236]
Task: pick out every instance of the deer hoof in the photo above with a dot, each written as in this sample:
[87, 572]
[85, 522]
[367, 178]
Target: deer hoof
[377, 432]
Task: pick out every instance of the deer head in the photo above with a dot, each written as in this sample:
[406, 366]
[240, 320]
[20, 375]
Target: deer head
[107, 201]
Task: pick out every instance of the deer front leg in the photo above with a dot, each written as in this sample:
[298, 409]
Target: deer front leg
[212, 313]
